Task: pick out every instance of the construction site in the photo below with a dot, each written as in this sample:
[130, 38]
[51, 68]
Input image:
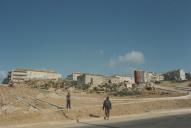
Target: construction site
[34, 102]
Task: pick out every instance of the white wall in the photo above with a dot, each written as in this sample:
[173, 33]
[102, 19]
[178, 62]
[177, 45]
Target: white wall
[182, 74]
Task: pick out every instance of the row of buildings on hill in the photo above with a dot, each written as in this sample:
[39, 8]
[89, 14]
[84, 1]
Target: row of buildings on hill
[97, 79]
[174, 75]
[21, 74]
[138, 77]
[147, 77]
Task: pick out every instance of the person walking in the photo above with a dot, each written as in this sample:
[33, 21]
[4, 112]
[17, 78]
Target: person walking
[68, 101]
[107, 106]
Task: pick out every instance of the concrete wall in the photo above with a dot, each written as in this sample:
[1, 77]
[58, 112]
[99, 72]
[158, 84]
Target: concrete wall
[42, 75]
[182, 74]
[112, 79]
[129, 79]
[94, 79]
[91, 79]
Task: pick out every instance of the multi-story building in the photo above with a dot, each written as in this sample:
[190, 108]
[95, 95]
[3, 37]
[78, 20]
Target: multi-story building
[20, 75]
[96, 79]
[188, 76]
[111, 79]
[92, 79]
[160, 77]
[139, 77]
[178, 75]
[125, 78]
[74, 76]
[146, 77]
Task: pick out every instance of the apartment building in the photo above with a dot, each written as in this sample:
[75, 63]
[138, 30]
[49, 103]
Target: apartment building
[178, 75]
[74, 76]
[96, 79]
[21, 74]
[92, 79]
[146, 77]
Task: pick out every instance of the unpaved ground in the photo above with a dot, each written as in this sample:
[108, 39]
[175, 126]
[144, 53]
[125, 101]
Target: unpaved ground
[84, 106]
[174, 84]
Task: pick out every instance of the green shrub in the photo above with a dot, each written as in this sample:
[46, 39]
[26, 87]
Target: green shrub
[123, 93]
[148, 88]
[95, 89]
[85, 87]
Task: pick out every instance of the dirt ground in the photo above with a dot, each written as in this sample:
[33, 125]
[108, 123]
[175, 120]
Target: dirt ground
[175, 84]
[19, 105]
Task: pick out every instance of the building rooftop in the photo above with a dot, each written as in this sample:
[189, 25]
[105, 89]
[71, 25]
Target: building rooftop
[37, 70]
[123, 75]
[94, 74]
[175, 70]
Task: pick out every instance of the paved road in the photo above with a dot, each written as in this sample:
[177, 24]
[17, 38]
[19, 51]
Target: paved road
[179, 118]
[179, 121]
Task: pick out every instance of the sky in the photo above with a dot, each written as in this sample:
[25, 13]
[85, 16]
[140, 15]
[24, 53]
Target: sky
[98, 36]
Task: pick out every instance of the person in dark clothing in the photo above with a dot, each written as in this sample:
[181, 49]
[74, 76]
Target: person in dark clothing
[68, 101]
[107, 106]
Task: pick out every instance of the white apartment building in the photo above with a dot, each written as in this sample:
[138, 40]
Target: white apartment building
[22, 74]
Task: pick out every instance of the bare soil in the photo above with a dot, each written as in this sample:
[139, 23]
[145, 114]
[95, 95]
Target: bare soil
[84, 105]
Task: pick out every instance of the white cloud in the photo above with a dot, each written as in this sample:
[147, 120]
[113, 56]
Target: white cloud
[134, 57]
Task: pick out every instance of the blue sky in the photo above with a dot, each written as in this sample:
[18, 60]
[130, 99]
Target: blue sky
[100, 36]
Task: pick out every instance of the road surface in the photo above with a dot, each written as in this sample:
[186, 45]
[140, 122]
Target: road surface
[180, 118]
[179, 121]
